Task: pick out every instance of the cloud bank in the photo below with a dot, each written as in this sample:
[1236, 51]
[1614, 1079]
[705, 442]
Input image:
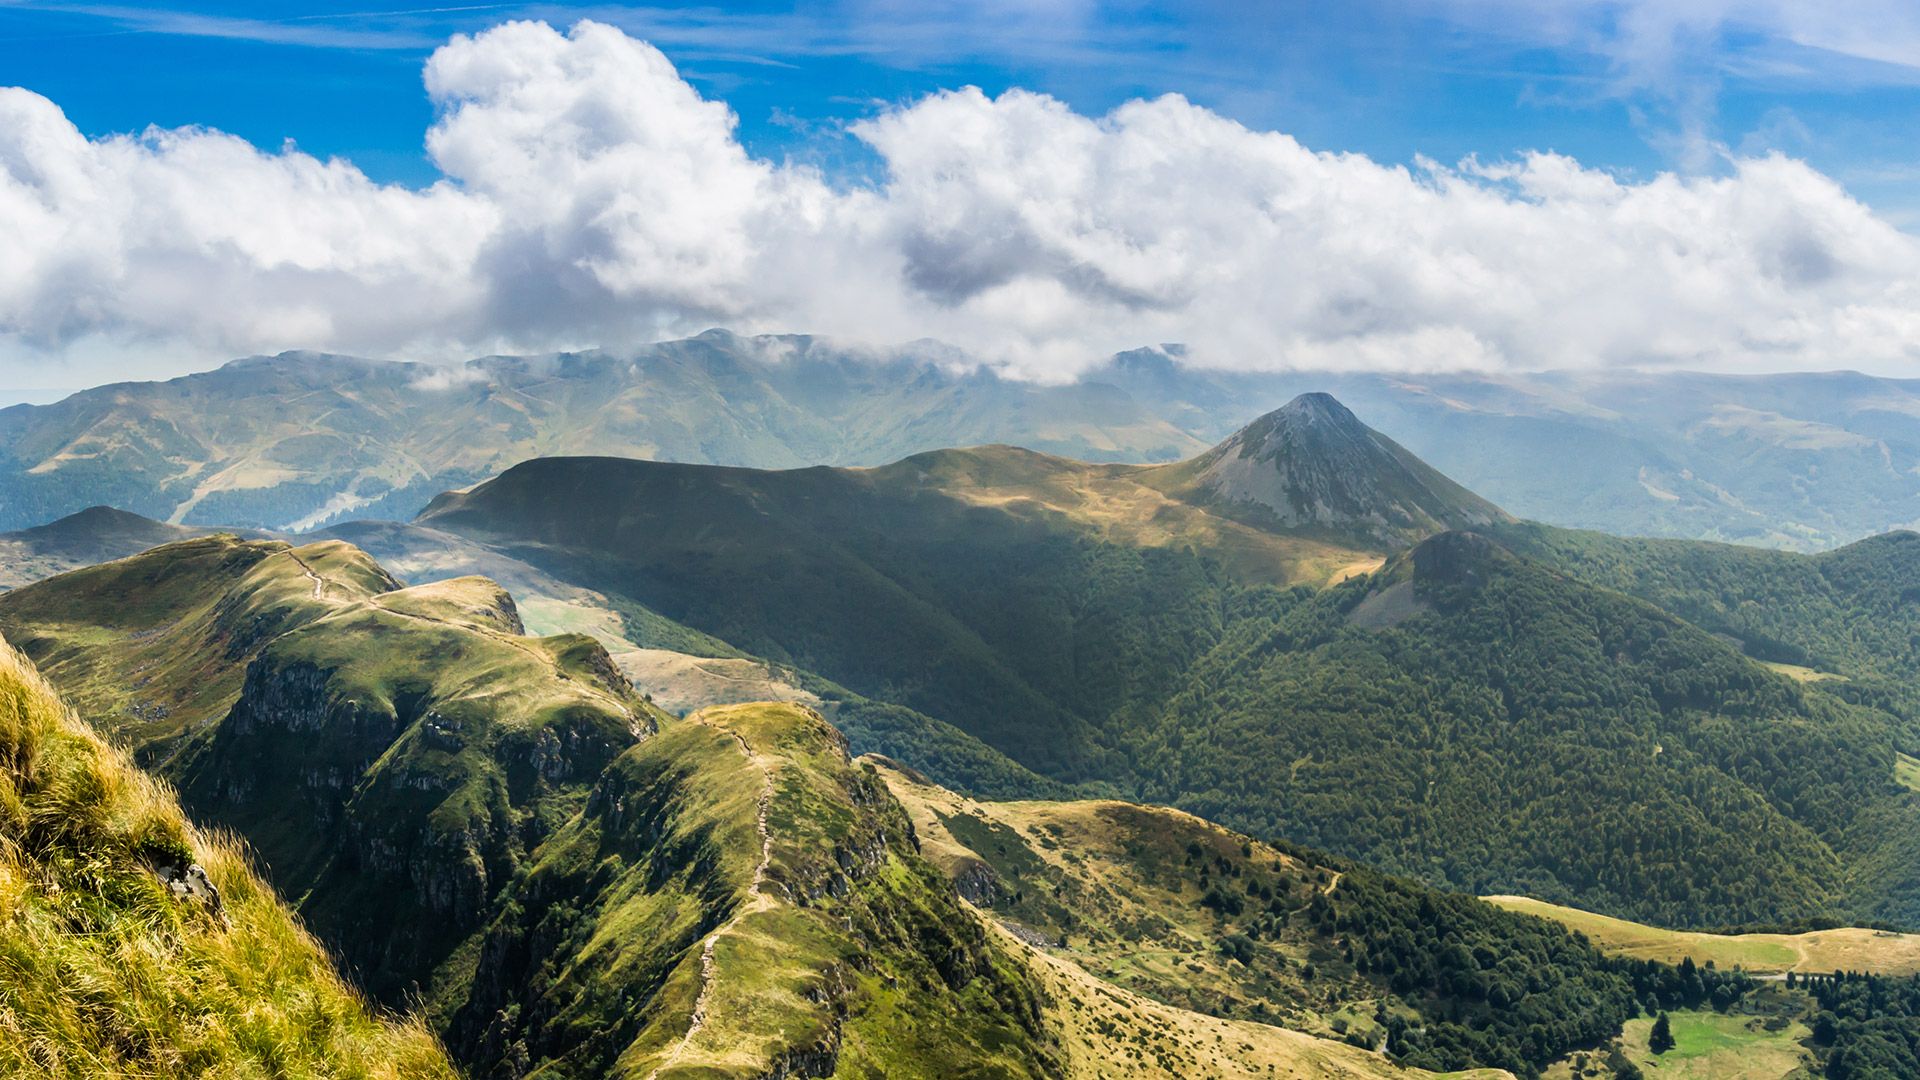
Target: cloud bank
[591, 197]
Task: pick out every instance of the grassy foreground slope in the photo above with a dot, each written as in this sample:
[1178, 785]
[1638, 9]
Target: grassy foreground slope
[1845, 948]
[381, 748]
[106, 971]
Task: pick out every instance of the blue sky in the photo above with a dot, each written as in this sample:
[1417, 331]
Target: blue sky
[1378, 184]
[1388, 79]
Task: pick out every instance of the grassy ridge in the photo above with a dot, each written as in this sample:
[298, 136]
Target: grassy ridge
[104, 972]
[1851, 948]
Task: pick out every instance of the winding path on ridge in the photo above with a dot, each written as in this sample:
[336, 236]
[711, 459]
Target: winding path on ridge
[319, 582]
[757, 900]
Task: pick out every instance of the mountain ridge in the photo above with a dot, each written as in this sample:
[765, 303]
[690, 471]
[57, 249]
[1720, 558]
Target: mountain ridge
[730, 893]
[1092, 651]
[304, 440]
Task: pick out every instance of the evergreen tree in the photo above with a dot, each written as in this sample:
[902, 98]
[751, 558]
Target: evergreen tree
[1660, 1040]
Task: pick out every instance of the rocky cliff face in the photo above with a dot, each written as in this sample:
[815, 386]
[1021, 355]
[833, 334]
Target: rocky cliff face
[396, 761]
[1312, 465]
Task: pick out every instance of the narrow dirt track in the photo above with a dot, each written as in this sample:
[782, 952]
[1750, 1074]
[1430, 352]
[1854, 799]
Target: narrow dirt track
[319, 582]
[757, 900]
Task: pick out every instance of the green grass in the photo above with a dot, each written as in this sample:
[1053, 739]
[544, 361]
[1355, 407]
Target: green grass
[1840, 949]
[152, 646]
[400, 750]
[1906, 770]
[1800, 672]
[1717, 1046]
[103, 973]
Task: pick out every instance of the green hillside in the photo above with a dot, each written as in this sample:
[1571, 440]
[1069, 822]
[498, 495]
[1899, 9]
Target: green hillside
[1848, 612]
[685, 670]
[1183, 911]
[571, 882]
[736, 899]
[1823, 951]
[1465, 715]
[1471, 717]
[915, 584]
[133, 944]
[403, 749]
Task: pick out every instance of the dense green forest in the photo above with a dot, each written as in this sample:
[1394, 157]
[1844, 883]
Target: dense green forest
[1520, 733]
[1495, 988]
[1853, 612]
[1869, 1025]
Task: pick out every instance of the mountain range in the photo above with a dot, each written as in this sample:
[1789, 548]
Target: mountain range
[1798, 461]
[573, 883]
[1146, 631]
[993, 761]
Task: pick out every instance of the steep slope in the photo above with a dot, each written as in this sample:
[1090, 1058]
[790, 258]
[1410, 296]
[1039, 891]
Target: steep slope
[1848, 612]
[742, 899]
[1312, 465]
[154, 647]
[735, 899]
[403, 749]
[683, 670]
[134, 944]
[1471, 717]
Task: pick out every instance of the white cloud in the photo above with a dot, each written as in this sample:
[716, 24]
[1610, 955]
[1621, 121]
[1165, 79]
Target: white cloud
[592, 197]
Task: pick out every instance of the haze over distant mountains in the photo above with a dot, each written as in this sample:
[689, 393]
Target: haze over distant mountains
[295, 441]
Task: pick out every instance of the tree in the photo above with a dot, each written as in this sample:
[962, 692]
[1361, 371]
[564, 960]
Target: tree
[1660, 1040]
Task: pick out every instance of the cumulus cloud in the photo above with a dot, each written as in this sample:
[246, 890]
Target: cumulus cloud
[591, 197]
